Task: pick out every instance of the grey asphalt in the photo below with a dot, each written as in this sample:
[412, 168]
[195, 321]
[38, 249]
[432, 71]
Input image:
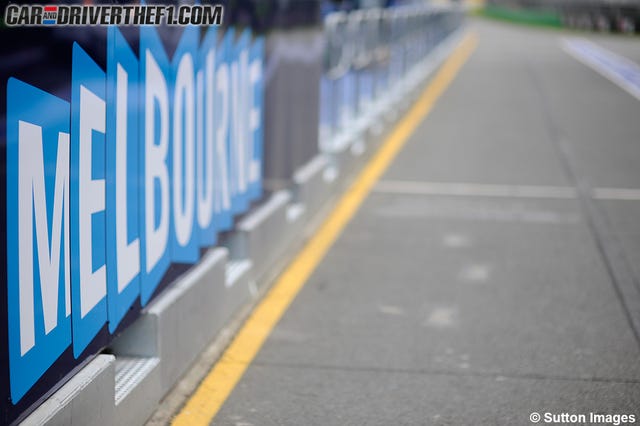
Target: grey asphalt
[476, 310]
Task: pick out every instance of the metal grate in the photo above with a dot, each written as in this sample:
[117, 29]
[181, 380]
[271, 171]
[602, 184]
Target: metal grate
[130, 371]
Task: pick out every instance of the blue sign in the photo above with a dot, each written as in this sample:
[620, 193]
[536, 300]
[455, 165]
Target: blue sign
[38, 254]
[87, 200]
[151, 159]
[222, 166]
[255, 98]
[123, 178]
[185, 233]
[208, 218]
[154, 164]
[239, 134]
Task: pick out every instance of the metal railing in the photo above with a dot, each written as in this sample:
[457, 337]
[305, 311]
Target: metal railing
[369, 53]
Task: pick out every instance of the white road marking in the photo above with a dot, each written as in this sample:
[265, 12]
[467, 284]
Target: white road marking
[477, 273]
[442, 317]
[473, 189]
[620, 70]
[616, 194]
[405, 187]
[473, 210]
[391, 310]
[454, 240]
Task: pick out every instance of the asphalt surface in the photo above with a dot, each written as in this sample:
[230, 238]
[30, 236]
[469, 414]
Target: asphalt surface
[437, 306]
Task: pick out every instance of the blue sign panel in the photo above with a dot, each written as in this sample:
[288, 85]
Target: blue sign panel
[154, 162]
[149, 161]
[256, 126]
[184, 240]
[233, 54]
[123, 178]
[223, 171]
[38, 276]
[239, 121]
[206, 139]
[87, 199]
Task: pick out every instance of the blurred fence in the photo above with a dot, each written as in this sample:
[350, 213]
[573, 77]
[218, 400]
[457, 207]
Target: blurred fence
[368, 55]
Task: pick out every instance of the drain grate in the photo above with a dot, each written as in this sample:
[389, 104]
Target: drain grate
[130, 371]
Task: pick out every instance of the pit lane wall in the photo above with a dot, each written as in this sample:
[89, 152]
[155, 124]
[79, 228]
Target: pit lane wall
[146, 199]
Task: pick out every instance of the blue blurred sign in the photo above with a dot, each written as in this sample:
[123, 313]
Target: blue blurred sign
[87, 200]
[123, 178]
[149, 161]
[38, 255]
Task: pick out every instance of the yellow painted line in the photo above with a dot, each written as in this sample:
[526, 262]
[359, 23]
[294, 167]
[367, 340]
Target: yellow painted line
[205, 403]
